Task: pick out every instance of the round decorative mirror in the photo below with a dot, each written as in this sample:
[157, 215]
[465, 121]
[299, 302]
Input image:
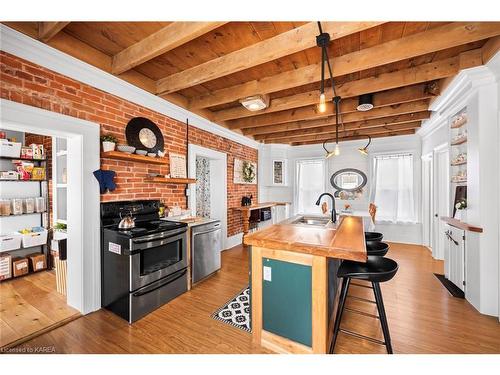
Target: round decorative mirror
[348, 179]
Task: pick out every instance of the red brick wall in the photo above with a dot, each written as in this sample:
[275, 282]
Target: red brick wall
[24, 82]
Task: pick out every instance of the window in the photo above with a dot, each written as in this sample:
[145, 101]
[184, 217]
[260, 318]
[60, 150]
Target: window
[310, 177]
[392, 189]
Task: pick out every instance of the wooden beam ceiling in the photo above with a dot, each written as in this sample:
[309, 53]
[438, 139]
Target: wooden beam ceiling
[409, 107]
[380, 99]
[436, 39]
[356, 137]
[283, 44]
[350, 133]
[356, 125]
[47, 30]
[164, 40]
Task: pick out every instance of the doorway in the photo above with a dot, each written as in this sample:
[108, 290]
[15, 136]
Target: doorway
[209, 197]
[83, 229]
[441, 201]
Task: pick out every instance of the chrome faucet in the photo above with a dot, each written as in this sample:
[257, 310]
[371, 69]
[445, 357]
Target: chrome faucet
[334, 212]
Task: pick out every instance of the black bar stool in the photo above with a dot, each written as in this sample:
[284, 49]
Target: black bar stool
[377, 270]
[377, 248]
[373, 237]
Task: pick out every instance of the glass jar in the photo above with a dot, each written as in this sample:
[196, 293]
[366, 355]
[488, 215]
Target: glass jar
[17, 206]
[29, 205]
[5, 209]
[40, 204]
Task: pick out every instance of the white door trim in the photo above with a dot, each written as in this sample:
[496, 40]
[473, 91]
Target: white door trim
[438, 251]
[220, 159]
[84, 273]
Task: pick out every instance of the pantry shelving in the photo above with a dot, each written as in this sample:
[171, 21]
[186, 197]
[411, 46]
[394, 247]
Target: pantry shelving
[25, 214]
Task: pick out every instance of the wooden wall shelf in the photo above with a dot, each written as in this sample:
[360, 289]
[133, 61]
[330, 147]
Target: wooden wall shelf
[459, 142]
[461, 225]
[456, 164]
[117, 155]
[163, 180]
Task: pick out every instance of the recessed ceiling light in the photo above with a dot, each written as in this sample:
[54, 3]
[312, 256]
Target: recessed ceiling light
[256, 102]
[365, 102]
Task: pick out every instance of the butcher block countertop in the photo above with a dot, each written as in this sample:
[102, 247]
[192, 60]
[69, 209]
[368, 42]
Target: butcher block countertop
[346, 241]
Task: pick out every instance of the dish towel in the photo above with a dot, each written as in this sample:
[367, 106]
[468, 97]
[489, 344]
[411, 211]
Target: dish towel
[105, 179]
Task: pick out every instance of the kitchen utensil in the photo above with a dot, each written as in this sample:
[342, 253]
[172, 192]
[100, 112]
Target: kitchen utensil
[127, 222]
[151, 154]
[141, 152]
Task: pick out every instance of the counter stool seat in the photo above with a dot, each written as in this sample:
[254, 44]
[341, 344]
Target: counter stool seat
[377, 269]
[373, 236]
[377, 248]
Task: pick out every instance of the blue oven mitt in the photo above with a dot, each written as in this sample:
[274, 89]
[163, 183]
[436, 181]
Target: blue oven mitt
[105, 179]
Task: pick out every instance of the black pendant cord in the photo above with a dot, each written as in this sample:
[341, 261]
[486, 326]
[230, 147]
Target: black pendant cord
[336, 98]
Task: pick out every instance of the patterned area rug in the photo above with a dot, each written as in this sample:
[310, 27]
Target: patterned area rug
[236, 312]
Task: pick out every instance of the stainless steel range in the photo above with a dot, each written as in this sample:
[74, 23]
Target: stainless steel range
[143, 267]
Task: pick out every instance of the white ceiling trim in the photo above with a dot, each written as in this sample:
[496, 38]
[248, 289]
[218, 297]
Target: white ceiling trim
[18, 44]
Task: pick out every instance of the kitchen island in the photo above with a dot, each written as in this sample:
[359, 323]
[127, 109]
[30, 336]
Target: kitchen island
[294, 283]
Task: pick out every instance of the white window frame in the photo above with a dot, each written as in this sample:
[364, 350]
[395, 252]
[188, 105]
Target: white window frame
[295, 179]
[416, 180]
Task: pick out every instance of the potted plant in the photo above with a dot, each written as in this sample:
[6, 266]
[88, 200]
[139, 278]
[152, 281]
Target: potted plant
[461, 206]
[108, 142]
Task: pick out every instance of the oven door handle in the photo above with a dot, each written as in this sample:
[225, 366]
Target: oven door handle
[148, 243]
[159, 284]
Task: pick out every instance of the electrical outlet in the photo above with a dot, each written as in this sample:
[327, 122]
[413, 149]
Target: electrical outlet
[267, 273]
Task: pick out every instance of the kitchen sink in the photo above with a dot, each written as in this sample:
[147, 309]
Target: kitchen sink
[312, 221]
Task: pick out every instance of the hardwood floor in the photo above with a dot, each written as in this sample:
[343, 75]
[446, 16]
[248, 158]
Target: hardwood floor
[423, 318]
[30, 305]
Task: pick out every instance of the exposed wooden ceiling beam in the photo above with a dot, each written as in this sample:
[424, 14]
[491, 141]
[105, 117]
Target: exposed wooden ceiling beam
[47, 30]
[363, 133]
[417, 106]
[357, 137]
[491, 47]
[164, 40]
[329, 121]
[449, 35]
[284, 44]
[356, 125]
[383, 99]
[380, 99]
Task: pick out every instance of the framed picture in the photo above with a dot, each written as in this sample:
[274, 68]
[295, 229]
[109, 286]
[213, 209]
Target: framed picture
[279, 172]
[177, 165]
[245, 172]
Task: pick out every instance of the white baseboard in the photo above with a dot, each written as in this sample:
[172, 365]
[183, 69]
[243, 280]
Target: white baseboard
[233, 241]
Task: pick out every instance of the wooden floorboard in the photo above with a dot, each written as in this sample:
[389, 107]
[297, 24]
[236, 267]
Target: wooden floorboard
[423, 317]
[31, 305]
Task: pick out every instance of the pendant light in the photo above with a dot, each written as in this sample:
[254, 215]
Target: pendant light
[322, 41]
[364, 150]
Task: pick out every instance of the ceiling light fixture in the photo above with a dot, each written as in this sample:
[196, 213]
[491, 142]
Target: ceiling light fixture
[365, 102]
[256, 102]
[322, 41]
[364, 150]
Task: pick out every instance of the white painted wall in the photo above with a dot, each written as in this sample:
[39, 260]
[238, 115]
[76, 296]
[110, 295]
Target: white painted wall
[348, 158]
[478, 90]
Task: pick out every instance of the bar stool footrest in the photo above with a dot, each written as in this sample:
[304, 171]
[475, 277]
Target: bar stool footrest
[362, 313]
[351, 333]
[362, 299]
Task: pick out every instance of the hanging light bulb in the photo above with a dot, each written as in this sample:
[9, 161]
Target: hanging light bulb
[364, 150]
[336, 151]
[322, 103]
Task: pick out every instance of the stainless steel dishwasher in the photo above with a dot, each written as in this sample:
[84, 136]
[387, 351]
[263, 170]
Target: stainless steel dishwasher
[206, 245]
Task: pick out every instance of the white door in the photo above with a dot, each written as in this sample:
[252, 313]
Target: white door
[427, 201]
[441, 199]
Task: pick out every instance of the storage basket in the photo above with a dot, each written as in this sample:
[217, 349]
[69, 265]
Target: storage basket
[35, 238]
[10, 149]
[5, 266]
[10, 242]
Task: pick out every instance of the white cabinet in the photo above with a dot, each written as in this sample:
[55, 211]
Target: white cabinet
[455, 261]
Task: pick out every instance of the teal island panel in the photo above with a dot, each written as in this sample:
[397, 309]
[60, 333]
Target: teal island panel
[287, 300]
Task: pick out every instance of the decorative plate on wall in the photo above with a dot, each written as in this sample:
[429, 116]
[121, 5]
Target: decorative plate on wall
[144, 134]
